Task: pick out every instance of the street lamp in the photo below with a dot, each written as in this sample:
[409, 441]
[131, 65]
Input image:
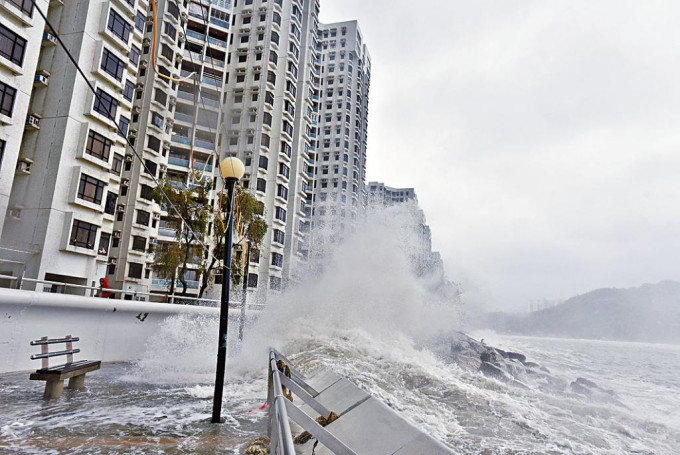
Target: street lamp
[231, 169]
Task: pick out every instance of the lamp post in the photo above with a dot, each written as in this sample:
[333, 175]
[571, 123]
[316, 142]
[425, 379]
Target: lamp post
[231, 169]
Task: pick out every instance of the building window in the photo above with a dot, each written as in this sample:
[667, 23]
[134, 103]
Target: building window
[143, 217]
[157, 119]
[112, 64]
[134, 56]
[280, 214]
[104, 240]
[25, 6]
[275, 283]
[279, 237]
[91, 189]
[117, 164]
[261, 185]
[264, 162]
[129, 91]
[119, 26]
[284, 170]
[277, 259]
[123, 125]
[282, 191]
[12, 46]
[135, 270]
[83, 234]
[252, 280]
[98, 146]
[138, 243]
[7, 95]
[2, 151]
[105, 104]
[110, 206]
[139, 21]
[146, 193]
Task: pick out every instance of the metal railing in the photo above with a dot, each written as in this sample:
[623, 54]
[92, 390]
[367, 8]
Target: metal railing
[93, 291]
[281, 410]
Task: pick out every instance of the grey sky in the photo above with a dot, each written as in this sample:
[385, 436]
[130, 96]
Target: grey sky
[542, 137]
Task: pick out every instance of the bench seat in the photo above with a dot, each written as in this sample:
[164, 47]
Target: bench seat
[66, 371]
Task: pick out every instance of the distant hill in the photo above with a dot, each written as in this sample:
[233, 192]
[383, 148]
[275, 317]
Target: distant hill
[649, 313]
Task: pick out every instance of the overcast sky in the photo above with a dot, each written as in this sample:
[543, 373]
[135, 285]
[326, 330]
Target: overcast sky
[542, 137]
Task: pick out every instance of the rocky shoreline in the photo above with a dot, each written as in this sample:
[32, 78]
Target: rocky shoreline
[514, 369]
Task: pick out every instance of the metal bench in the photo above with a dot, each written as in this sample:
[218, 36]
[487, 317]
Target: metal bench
[55, 375]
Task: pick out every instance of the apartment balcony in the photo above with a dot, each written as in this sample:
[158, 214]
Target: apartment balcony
[219, 22]
[217, 42]
[181, 139]
[177, 161]
[196, 35]
[204, 143]
[211, 81]
[167, 232]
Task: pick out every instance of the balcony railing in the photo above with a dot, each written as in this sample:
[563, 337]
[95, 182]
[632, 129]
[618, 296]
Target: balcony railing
[177, 161]
[181, 139]
[211, 81]
[205, 144]
[197, 35]
[217, 42]
[219, 22]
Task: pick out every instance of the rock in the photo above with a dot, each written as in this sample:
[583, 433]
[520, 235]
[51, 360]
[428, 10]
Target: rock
[517, 356]
[492, 371]
[260, 446]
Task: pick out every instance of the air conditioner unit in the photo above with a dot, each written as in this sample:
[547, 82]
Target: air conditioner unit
[173, 99]
[33, 121]
[135, 109]
[124, 181]
[129, 158]
[146, 41]
[166, 145]
[120, 208]
[40, 79]
[132, 133]
[153, 241]
[116, 234]
[113, 261]
[156, 216]
[181, 36]
[48, 38]
[143, 63]
[185, 16]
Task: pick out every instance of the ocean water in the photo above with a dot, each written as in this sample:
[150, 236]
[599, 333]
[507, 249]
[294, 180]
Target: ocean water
[369, 319]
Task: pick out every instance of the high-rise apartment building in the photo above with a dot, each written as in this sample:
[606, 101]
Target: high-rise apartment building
[21, 37]
[379, 193]
[62, 206]
[257, 79]
[176, 129]
[269, 124]
[418, 237]
[340, 167]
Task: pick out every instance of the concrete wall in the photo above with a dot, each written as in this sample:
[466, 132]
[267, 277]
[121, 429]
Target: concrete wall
[109, 330]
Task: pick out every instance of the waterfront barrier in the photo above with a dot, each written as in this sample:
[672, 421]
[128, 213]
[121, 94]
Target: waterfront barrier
[337, 417]
[110, 330]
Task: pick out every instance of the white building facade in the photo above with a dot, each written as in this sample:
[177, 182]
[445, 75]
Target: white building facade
[340, 167]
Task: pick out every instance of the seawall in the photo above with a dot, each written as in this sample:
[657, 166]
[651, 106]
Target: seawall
[109, 330]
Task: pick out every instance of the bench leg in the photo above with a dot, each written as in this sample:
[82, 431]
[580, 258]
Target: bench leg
[53, 389]
[77, 382]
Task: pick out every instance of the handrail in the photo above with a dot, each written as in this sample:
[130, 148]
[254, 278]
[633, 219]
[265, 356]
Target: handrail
[170, 297]
[281, 409]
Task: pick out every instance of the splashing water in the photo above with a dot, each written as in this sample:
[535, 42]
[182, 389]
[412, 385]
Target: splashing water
[370, 319]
